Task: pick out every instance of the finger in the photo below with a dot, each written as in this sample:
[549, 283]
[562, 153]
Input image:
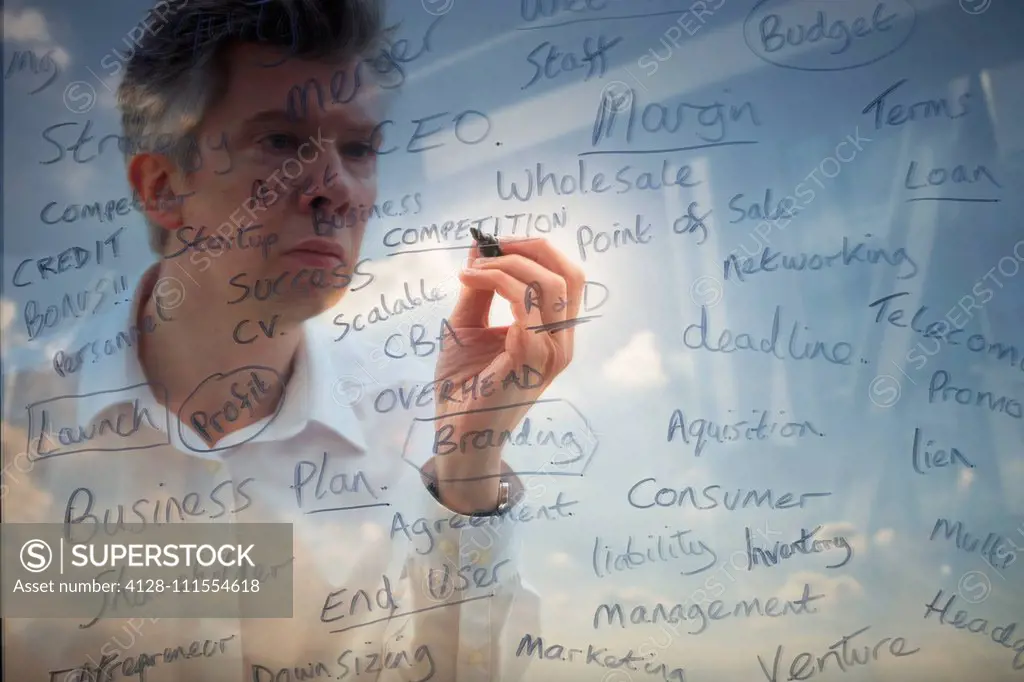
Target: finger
[473, 307]
[539, 283]
[509, 288]
[544, 252]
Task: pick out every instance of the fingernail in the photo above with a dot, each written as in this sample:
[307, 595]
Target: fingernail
[469, 270]
[480, 261]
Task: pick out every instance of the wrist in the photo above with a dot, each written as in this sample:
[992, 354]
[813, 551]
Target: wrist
[480, 493]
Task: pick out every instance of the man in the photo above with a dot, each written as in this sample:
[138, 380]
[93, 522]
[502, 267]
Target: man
[254, 429]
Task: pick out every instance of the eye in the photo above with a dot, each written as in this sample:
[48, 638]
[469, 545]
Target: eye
[358, 150]
[279, 142]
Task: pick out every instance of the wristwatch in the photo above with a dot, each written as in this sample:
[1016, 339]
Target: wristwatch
[503, 502]
[503, 498]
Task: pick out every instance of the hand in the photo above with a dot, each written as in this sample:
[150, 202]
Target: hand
[489, 377]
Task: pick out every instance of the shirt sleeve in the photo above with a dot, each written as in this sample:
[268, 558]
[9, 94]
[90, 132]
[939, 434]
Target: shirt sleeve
[472, 604]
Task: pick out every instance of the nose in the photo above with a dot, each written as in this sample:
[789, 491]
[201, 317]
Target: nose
[329, 197]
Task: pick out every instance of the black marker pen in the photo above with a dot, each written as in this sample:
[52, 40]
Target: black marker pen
[488, 243]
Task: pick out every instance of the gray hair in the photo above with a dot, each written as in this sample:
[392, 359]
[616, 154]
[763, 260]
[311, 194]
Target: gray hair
[176, 72]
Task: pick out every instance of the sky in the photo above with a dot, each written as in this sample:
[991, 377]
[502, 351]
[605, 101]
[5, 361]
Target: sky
[793, 122]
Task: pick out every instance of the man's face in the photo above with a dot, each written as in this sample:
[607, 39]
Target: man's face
[308, 184]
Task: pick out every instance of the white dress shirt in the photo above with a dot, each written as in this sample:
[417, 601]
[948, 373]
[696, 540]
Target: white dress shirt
[347, 532]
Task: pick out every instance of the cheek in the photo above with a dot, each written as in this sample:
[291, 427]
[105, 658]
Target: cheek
[367, 190]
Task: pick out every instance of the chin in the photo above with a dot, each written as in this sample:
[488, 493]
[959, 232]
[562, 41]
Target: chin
[309, 304]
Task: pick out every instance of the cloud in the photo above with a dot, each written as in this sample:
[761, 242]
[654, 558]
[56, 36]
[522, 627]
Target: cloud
[843, 529]
[682, 363]
[637, 364]
[14, 329]
[29, 28]
[559, 559]
[61, 56]
[7, 312]
[25, 26]
[884, 536]
[20, 478]
[78, 179]
[836, 588]
[965, 479]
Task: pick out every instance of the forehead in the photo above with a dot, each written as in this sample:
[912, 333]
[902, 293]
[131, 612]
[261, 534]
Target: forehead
[261, 78]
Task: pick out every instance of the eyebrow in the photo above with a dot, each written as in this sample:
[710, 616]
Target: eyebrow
[360, 125]
[268, 116]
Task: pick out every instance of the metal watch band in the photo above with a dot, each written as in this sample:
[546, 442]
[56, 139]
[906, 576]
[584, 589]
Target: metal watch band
[503, 498]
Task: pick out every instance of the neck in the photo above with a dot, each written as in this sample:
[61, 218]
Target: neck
[198, 343]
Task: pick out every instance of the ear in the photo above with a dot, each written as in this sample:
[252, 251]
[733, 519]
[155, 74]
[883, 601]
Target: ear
[160, 187]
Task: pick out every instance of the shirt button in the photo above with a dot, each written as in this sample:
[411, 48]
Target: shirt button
[476, 658]
[447, 547]
[482, 557]
[212, 466]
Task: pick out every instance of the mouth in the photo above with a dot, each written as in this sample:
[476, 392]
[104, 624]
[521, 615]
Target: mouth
[318, 252]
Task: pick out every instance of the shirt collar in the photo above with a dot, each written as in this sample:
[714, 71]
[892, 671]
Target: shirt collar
[316, 391]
